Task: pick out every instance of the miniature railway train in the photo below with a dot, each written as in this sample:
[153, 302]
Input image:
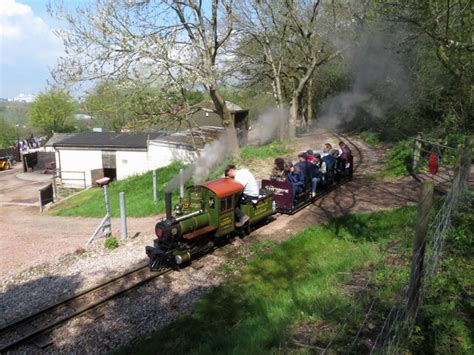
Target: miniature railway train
[206, 215]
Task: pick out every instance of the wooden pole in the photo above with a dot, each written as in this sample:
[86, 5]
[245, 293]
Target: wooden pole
[424, 207]
[416, 154]
[466, 159]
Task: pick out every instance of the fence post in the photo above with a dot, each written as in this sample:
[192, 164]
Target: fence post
[123, 215]
[416, 154]
[424, 207]
[155, 198]
[466, 160]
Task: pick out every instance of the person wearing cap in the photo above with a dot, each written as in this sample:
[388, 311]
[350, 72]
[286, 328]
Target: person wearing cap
[251, 189]
[302, 167]
[309, 155]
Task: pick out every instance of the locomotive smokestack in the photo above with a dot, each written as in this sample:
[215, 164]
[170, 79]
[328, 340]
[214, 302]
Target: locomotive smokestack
[168, 204]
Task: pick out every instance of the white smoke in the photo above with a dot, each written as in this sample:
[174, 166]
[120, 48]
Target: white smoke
[267, 127]
[379, 81]
[211, 155]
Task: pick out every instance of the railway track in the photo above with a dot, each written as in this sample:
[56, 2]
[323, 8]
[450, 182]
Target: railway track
[36, 326]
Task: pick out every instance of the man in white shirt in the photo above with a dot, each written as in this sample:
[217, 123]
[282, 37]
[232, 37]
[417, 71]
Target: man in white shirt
[251, 189]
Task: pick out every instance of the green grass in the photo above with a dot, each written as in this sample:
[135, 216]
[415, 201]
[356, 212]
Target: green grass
[300, 281]
[271, 150]
[138, 191]
[399, 160]
[371, 138]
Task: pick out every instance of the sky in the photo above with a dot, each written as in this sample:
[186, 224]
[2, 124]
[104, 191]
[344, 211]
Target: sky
[28, 46]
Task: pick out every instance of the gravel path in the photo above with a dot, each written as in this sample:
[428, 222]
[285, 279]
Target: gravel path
[154, 305]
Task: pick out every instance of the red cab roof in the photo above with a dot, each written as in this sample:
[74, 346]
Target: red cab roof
[224, 186]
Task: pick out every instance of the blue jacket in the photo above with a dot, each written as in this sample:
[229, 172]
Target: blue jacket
[330, 162]
[302, 170]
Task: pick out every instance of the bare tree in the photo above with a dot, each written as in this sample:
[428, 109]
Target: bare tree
[169, 43]
[294, 37]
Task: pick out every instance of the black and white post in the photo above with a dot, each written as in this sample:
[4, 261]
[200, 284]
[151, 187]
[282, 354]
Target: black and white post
[105, 227]
[181, 184]
[123, 215]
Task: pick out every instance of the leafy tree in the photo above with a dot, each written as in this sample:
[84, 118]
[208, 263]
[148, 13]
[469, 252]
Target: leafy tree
[7, 133]
[109, 105]
[448, 26]
[131, 104]
[53, 111]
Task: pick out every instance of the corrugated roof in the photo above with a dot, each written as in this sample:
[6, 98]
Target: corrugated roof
[209, 105]
[201, 137]
[58, 137]
[108, 140]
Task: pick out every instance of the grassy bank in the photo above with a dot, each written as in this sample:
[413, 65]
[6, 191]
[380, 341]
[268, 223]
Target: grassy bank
[138, 192]
[300, 284]
[316, 289]
[139, 188]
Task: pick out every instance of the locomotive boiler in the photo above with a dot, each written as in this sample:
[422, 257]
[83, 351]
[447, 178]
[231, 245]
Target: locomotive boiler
[205, 214]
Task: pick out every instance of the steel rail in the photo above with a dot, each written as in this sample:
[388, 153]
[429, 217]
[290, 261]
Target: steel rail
[79, 310]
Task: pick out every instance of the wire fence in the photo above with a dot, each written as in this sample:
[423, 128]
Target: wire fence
[398, 322]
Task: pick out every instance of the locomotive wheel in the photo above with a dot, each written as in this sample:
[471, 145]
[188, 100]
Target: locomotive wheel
[158, 263]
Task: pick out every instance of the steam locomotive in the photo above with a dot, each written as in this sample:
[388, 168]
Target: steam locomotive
[206, 214]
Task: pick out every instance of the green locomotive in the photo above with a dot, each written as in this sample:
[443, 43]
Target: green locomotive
[205, 214]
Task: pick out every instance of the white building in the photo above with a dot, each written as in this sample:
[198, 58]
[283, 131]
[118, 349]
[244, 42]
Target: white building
[83, 158]
[27, 98]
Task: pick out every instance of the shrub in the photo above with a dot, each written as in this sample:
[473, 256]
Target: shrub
[399, 159]
[371, 138]
[111, 243]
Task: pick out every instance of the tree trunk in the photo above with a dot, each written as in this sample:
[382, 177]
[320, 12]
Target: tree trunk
[294, 107]
[227, 121]
[296, 97]
[309, 107]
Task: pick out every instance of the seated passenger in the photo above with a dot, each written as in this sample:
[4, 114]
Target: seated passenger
[318, 172]
[278, 171]
[327, 149]
[309, 156]
[346, 156]
[330, 162]
[301, 168]
[251, 190]
[296, 179]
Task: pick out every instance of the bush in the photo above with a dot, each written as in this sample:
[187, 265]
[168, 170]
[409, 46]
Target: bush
[399, 159]
[111, 243]
[370, 138]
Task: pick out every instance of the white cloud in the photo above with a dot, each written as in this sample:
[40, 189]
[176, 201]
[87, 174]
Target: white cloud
[28, 47]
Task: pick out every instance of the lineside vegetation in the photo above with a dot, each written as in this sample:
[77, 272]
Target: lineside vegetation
[316, 289]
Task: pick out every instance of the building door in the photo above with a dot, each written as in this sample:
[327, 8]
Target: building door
[109, 164]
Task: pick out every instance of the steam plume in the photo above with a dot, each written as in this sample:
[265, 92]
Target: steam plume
[380, 83]
[267, 127]
[211, 155]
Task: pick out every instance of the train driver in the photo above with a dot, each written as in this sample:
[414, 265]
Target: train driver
[251, 189]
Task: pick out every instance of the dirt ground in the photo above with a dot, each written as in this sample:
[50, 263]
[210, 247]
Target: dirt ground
[29, 237]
